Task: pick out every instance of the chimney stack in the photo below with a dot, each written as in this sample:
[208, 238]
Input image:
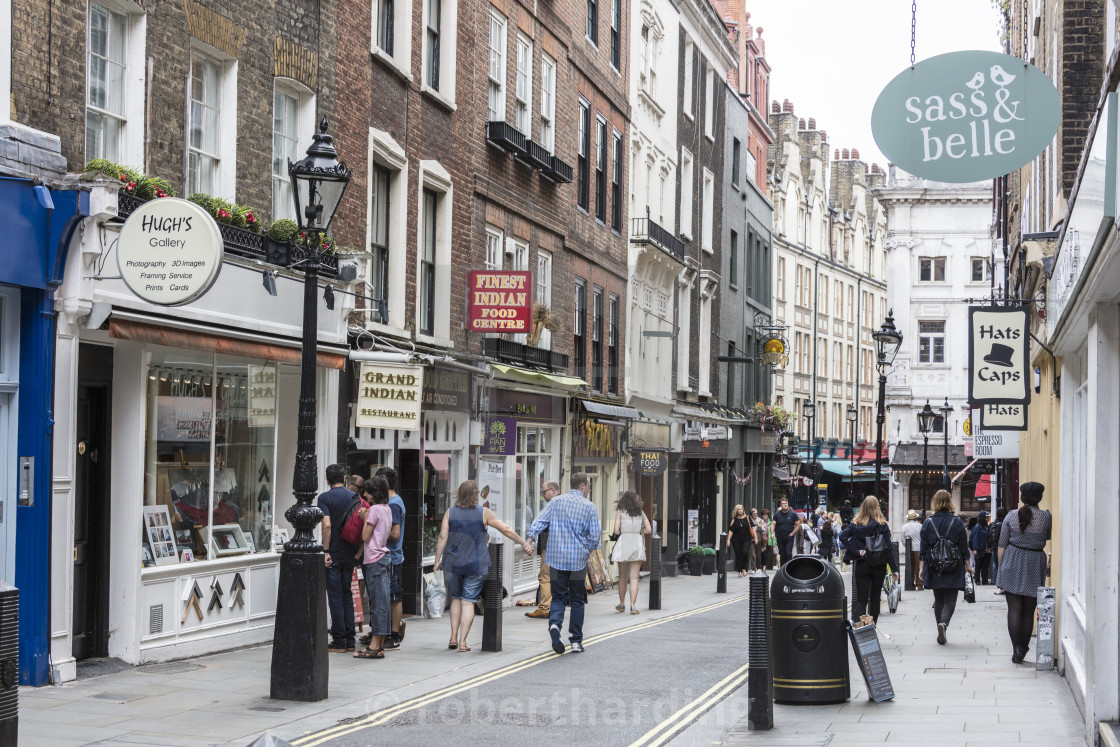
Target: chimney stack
[812, 123]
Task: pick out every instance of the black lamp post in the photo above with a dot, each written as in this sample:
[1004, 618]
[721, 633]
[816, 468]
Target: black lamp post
[299, 646]
[887, 341]
[809, 410]
[925, 424]
[946, 409]
[853, 414]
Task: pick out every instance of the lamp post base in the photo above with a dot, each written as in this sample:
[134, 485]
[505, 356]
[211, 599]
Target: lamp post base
[299, 644]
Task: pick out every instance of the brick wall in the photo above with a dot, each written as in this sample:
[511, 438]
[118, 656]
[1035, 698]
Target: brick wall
[49, 76]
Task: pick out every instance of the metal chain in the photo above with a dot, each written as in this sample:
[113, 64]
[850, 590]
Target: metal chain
[913, 28]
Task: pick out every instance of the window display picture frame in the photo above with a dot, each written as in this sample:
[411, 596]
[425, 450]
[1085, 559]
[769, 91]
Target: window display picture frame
[161, 540]
[225, 540]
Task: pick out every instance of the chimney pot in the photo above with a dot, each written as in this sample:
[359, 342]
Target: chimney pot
[824, 136]
[855, 154]
[801, 124]
[874, 168]
[836, 155]
[845, 154]
[812, 123]
[775, 107]
[787, 106]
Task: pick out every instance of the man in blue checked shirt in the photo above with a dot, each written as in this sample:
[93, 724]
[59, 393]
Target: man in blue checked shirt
[573, 532]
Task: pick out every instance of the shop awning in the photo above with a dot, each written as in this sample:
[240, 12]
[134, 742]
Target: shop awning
[196, 339]
[541, 378]
[611, 411]
[844, 468]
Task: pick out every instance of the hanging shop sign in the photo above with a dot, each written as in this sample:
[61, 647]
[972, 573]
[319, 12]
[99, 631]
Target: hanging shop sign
[650, 462]
[987, 444]
[499, 436]
[966, 116]
[262, 396]
[499, 301]
[447, 390]
[170, 251]
[998, 355]
[389, 396]
[1003, 417]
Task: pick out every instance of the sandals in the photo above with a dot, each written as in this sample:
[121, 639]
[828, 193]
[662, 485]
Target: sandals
[464, 647]
[634, 611]
[453, 644]
[370, 653]
[620, 607]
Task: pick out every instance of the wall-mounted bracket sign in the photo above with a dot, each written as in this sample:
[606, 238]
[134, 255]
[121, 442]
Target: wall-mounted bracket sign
[389, 396]
[170, 251]
[650, 462]
[966, 116]
[998, 356]
[499, 301]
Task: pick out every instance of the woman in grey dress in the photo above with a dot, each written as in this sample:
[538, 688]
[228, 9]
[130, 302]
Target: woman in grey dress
[1022, 565]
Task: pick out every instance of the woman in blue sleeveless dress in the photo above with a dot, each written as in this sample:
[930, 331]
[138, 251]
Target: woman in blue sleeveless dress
[462, 554]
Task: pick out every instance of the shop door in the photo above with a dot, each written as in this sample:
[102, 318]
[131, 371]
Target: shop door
[91, 507]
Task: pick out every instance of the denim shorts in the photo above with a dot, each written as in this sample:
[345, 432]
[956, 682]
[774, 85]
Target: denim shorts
[462, 586]
[377, 588]
[396, 582]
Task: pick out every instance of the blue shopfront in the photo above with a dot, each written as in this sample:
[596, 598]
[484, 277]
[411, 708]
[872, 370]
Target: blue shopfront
[38, 225]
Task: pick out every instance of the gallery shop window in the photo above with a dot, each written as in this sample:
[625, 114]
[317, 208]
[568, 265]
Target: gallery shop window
[209, 456]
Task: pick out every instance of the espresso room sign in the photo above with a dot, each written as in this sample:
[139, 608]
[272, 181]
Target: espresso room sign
[966, 116]
[169, 252]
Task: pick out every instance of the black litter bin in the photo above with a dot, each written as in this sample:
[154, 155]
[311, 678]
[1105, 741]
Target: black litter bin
[809, 610]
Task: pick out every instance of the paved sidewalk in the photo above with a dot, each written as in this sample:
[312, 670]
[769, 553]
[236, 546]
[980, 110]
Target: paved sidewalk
[223, 698]
[967, 692]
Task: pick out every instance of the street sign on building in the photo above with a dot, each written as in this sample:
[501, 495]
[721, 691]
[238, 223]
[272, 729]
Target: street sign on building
[170, 251]
[998, 355]
[966, 116]
[499, 301]
[389, 396]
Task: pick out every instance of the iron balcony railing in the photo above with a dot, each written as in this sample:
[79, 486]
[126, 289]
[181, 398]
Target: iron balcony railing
[529, 355]
[646, 231]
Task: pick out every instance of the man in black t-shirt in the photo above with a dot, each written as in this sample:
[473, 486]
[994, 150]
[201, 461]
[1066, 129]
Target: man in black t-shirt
[786, 524]
[846, 513]
[340, 558]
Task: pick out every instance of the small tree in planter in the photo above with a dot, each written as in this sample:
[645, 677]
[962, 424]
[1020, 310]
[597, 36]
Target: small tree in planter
[709, 561]
[280, 235]
[695, 561]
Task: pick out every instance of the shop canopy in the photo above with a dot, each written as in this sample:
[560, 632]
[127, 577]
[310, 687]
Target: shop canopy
[844, 468]
[542, 378]
[608, 410]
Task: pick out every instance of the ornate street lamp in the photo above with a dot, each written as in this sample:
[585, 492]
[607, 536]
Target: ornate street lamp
[946, 410]
[853, 415]
[887, 341]
[926, 418]
[299, 646]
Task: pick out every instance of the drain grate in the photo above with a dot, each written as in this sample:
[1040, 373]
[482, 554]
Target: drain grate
[171, 667]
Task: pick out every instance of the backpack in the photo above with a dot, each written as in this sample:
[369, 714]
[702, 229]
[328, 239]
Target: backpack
[352, 527]
[876, 546]
[944, 557]
[993, 536]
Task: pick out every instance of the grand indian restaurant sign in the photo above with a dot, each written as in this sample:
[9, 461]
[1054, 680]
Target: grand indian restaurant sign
[966, 116]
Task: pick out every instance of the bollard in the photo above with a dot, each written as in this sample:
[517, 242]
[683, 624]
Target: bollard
[721, 564]
[492, 601]
[9, 663]
[760, 664]
[1044, 658]
[655, 573]
[908, 584]
[672, 547]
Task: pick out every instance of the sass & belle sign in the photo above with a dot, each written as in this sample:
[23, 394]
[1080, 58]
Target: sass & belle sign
[499, 301]
[966, 116]
[998, 350]
[389, 396]
[170, 251]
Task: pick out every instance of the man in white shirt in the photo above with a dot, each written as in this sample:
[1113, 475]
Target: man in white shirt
[912, 530]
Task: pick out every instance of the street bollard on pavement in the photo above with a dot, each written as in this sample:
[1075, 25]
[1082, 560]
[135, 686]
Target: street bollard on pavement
[908, 582]
[9, 663]
[655, 572]
[492, 601]
[760, 669]
[721, 564]
[1044, 659]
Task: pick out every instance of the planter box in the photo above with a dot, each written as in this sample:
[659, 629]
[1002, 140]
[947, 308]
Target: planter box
[279, 252]
[538, 156]
[560, 172]
[709, 565]
[505, 136]
[695, 565]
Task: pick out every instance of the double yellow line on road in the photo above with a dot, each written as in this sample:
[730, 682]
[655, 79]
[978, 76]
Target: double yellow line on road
[673, 725]
[385, 715]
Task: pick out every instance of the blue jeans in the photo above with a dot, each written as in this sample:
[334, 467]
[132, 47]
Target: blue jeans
[568, 590]
[341, 602]
[377, 587]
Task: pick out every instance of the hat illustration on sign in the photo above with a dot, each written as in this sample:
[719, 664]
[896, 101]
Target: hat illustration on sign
[1000, 355]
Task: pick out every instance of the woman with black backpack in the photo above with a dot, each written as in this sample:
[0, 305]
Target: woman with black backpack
[945, 555]
[868, 546]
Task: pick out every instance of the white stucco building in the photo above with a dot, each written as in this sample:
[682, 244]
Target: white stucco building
[939, 258]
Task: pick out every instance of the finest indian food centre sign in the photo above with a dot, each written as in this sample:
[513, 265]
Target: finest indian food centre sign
[966, 116]
[170, 251]
[499, 301]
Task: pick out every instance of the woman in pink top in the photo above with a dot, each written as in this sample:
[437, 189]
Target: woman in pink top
[375, 565]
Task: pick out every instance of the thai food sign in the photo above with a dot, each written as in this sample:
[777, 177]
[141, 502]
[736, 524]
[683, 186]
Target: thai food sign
[966, 116]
